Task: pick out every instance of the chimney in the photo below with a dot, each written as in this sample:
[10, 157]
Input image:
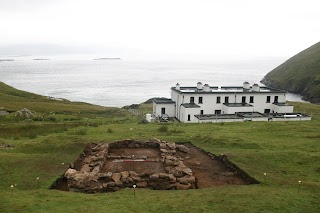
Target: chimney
[206, 88]
[177, 86]
[246, 85]
[255, 88]
[199, 86]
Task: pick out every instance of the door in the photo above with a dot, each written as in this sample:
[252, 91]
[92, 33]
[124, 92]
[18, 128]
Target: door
[163, 110]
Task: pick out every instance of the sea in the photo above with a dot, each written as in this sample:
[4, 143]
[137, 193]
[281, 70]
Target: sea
[116, 83]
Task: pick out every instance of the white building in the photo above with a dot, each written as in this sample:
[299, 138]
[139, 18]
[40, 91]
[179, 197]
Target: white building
[203, 103]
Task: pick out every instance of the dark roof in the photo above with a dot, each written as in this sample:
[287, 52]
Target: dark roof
[251, 114]
[227, 90]
[190, 105]
[163, 101]
[238, 105]
[217, 116]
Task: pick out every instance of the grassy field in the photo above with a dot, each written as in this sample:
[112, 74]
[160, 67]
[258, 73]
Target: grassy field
[44, 145]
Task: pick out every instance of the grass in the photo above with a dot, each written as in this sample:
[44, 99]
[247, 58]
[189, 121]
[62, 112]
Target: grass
[286, 151]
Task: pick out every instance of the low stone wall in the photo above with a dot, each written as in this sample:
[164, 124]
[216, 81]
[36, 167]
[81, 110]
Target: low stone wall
[88, 178]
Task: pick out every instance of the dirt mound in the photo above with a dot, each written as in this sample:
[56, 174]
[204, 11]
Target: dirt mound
[151, 164]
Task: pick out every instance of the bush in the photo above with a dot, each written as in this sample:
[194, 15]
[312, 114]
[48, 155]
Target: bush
[110, 130]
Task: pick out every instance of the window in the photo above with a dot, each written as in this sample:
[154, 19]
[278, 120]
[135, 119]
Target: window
[251, 99]
[163, 110]
[218, 100]
[275, 99]
[201, 112]
[243, 99]
[191, 99]
[267, 111]
[268, 99]
[189, 117]
[217, 112]
[200, 100]
[226, 99]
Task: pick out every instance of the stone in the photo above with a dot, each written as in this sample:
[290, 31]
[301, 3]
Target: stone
[116, 178]
[189, 179]
[133, 173]
[107, 175]
[182, 148]
[154, 177]
[70, 173]
[96, 169]
[163, 146]
[124, 175]
[188, 171]
[171, 145]
[142, 184]
[136, 178]
[183, 186]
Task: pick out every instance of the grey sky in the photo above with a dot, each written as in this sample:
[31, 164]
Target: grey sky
[173, 27]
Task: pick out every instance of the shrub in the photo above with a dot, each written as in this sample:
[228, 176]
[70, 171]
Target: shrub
[110, 130]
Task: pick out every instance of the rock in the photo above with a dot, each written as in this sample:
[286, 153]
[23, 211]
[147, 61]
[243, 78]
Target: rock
[188, 171]
[163, 146]
[142, 184]
[116, 178]
[133, 173]
[171, 163]
[163, 150]
[182, 148]
[189, 179]
[124, 175]
[96, 169]
[107, 175]
[70, 173]
[136, 179]
[183, 186]
[85, 168]
[71, 165]
[154, 177]
[171, 145]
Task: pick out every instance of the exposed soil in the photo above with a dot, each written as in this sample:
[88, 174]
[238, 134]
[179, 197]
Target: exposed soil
[208, 172]
[153, 165]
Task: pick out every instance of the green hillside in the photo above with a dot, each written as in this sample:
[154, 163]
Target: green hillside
[300, 74]
[43, 145]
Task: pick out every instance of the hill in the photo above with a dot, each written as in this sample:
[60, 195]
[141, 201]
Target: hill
[30, 148]
[300, 74]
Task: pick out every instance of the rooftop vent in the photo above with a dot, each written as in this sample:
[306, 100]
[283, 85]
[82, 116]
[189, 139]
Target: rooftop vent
[199, 86]
[206, 88]
[255, 88]
[246, 85]
[178, 86]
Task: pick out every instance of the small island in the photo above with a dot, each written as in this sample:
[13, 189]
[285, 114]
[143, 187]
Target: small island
[41, 59]
[107, 59]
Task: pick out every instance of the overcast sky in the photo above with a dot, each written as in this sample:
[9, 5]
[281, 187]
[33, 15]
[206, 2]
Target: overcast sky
[279, 28]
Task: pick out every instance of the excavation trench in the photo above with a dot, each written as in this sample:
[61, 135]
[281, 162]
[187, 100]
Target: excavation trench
[150, 164]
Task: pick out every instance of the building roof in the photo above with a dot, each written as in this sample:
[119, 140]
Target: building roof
[190, 105]
[217, 116]
[227, 89]
[163, 101]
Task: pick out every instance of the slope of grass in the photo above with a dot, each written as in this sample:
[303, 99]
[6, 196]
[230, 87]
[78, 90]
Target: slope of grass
[300, 74]
[286, 151]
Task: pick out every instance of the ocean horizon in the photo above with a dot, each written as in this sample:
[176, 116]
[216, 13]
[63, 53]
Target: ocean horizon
[117, 83]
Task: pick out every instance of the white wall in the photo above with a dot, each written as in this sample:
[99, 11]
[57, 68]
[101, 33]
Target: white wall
[170, 109]
[189, 111]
